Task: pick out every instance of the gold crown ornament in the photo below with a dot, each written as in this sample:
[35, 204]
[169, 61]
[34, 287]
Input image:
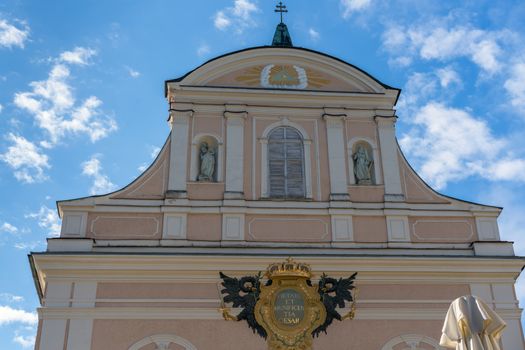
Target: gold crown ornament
[289, 268]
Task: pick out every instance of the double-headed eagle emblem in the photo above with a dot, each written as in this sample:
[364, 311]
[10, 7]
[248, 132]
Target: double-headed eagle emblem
[284, 306]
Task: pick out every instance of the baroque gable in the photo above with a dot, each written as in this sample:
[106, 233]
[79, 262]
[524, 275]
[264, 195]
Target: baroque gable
[281, 68]
[258, 172]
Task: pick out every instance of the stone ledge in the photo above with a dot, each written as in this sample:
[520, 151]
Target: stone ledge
[69, 244]
[496, 248]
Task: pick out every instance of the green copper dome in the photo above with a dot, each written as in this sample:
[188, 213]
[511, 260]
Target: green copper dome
[282, 36]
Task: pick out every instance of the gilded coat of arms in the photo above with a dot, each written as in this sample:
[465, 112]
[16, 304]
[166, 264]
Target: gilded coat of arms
[284, 306]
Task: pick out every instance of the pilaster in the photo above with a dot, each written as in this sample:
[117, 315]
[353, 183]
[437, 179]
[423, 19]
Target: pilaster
[389, 158]
[81, 330]
[334, 120]
[235, 118]
[180, 123]
[53, 331]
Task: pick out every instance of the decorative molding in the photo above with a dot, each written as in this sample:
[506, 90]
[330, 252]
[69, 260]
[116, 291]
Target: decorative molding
[233, 227]
[74, 223]
[174, 226]
[487, 228]
[284, 121]
[435, 235]
[398, 229]
[127, 218]
[342, 228]
[385, 121]
[180, 116]
[235, 118]
[212, 313]
[181, 266]
[252, 234]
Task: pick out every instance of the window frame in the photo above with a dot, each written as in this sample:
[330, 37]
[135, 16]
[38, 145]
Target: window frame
[265, 171]
[287, 161]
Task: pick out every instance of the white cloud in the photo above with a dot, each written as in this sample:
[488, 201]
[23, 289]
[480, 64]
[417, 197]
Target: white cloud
[437, 41]
[401, 61]
[11, 35]
[8, 315]
[47, 219]
[203, 50]
[238, 16]
[351, 6]
[1, 108]
[8, 228]
[11, 298]
[448, 76]
[25, 341]
[101, 182]
[52, 104]
[221, 21]
[154, 153]
[132, 73]
[28, 245]
[25, 159]
[419, 87]
[314, 34]
[79, 55]
[515, 85]
[450, 144]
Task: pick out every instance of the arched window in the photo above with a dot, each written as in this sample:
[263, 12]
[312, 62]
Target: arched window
[412, 342]
[286, 163]
[162, 342]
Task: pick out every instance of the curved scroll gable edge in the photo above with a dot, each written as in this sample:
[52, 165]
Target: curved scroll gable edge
[449, 199]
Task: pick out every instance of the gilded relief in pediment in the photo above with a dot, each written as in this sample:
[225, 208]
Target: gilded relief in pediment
[285, 76]
[281, 76]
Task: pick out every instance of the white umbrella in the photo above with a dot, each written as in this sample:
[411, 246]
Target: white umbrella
[471, 325]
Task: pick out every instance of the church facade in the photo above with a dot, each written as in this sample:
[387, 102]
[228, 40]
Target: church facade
[274, 152]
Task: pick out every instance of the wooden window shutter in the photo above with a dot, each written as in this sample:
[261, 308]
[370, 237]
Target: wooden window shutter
[286, 163]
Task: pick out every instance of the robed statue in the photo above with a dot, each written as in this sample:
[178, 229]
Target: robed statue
[207, 163]
[362, 166]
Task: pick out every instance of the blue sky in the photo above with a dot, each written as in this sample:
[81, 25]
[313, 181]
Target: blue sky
[80, 81]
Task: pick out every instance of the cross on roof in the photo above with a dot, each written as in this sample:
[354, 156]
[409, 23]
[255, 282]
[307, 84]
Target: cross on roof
[281, 8]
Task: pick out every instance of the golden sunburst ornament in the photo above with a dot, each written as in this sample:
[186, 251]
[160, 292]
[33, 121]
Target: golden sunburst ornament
[282, 76]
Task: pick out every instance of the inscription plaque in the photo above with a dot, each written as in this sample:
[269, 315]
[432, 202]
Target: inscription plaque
[289, 307]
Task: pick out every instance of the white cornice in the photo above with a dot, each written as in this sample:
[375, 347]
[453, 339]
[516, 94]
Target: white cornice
[101, 204]
[171, 313]
[206, 266]
[277, 98]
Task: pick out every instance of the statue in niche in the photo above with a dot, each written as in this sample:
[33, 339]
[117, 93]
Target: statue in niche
[207, 164]
[362, 166]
